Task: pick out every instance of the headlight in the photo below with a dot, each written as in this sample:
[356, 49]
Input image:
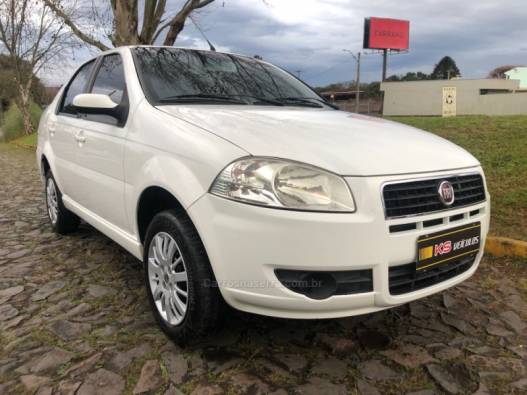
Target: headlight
[283, 184]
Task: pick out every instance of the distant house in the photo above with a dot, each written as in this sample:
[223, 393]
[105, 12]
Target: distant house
[518, 73]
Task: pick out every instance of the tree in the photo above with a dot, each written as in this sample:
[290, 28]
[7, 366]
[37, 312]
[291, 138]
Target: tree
[128, 25]
[445, 69]
[8, 87]
[336, 87]
[410, 76]
[372, 90]
[32, 40]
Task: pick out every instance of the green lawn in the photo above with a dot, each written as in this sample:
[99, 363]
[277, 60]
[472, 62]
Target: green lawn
[500, 144]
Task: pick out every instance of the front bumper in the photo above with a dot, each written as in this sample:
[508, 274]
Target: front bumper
[246, 243]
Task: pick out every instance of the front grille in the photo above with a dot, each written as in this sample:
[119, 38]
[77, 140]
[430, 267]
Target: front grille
[405, 278]
[421, 197]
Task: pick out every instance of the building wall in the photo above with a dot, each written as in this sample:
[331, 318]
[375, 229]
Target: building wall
[505, 104]
[518, 73]
[426, 97]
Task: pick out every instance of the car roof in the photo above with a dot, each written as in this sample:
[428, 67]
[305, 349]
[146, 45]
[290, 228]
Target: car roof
[182, 48]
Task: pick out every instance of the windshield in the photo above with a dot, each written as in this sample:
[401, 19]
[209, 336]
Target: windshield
[172, 75]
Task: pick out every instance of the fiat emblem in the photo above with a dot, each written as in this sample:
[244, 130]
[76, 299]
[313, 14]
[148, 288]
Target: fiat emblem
[446, 193]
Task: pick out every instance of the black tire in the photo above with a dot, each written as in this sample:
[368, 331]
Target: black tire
[65, 221]
[205, 304]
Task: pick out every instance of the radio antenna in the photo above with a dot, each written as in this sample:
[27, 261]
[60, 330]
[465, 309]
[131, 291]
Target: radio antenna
[211, 47]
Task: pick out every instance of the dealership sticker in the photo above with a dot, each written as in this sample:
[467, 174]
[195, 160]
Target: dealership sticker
[448, 245]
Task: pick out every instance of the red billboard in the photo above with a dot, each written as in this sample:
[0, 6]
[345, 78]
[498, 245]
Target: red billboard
[385, 33]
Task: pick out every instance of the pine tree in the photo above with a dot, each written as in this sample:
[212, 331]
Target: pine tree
[445, 69]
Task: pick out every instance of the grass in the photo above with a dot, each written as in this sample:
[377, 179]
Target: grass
[500, 144]
[28, 141]
[13, 124]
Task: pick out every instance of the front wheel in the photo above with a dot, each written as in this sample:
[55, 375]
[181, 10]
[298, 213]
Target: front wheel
[181, 286]
[62, 220]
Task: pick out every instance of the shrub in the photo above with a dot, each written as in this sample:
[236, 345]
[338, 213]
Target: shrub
[13, 125]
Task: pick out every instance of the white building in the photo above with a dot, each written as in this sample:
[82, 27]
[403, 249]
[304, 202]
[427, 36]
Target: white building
[518, 73]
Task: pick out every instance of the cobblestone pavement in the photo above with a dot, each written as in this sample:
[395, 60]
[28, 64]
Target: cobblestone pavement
[74, 318]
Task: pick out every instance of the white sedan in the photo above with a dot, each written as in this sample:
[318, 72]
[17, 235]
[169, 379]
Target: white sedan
[235, 182]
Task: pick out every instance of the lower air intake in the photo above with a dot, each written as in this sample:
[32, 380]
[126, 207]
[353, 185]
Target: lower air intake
[322, 285]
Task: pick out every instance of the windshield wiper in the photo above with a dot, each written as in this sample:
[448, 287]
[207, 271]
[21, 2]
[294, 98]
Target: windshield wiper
[261, 99]
[307, 101]
[298, 101]
[199, 98]
[334, 106]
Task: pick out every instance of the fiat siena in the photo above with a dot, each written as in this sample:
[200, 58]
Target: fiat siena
[235, 182]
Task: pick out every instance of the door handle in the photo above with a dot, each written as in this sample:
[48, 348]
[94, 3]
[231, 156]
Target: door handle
[51, 131]
[80, 137]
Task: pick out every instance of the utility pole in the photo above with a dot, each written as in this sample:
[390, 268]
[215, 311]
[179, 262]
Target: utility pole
[357, 79]
[357, 91]
[299, 73]
[384, 69]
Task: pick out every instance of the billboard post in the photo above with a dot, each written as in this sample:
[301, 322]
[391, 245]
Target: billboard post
[384, 63]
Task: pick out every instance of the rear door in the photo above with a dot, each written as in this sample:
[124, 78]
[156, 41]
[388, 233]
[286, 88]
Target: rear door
[63, 126]
[100, 147]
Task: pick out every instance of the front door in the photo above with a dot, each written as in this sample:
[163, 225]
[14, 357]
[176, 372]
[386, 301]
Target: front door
[100, 144]
[64, 125]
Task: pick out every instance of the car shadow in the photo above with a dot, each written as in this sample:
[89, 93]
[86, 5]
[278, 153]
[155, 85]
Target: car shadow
[242, 333]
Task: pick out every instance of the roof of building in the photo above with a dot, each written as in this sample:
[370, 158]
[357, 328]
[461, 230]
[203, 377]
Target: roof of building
[514, 70]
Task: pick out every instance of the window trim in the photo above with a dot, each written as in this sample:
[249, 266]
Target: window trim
[140, 76]
[66, 89]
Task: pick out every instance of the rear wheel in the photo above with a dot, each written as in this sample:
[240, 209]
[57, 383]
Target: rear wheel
[181, 286]
[62, 220]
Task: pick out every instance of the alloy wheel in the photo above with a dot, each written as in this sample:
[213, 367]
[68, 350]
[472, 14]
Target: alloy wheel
[168, 279]
[52, 200]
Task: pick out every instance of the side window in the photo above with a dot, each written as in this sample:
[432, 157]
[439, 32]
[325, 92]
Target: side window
[76, 86]
[110, 78]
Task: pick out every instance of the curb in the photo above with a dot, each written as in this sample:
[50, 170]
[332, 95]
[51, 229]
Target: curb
[503, 246]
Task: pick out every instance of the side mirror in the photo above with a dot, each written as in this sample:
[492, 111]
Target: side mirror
[95, 103]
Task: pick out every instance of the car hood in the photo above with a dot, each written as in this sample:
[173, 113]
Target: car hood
[338, 141]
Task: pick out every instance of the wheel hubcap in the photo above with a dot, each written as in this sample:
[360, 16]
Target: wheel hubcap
[167, 275]
[52, 200]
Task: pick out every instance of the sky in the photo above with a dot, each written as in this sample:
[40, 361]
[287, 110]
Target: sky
[311, 35]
